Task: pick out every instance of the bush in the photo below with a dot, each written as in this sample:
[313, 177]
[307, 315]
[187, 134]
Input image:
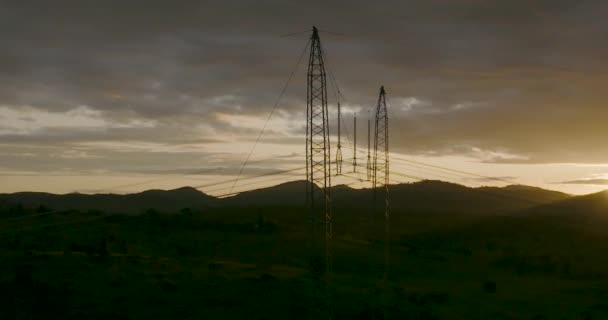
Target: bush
[489, 286]
[267, 277]
[586, 315]
[88, 249]
[316, 267]
[17, 209]
[103, 248]
[167, 285]
[43, 209]
[121, 246]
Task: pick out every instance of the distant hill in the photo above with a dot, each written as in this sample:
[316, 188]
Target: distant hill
[289, 194]
[429, 195]
[438, 196]
[587, 208]
[162, 200]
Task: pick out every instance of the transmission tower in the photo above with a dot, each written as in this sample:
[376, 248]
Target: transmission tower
[369, 153]
[381, 170]
[339, 151]
[355, 143]
[318, 168]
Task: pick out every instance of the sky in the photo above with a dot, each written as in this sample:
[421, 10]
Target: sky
[123, 96]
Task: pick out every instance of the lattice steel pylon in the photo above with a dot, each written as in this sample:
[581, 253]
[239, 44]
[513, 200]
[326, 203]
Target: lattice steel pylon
[355, 143]
[369, 152]
[339, 150]
[381, 171]
[318, 167]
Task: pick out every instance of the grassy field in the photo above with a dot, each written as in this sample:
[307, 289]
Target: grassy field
[252, 263]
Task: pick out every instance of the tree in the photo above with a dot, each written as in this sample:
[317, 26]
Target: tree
[103, 248]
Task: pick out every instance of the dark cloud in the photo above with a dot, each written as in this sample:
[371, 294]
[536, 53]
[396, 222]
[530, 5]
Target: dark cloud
[504, 81]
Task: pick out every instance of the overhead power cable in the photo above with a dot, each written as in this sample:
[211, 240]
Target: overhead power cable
[274, 108]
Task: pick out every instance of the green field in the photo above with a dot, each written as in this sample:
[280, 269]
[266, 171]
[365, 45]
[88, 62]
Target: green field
[252, 263]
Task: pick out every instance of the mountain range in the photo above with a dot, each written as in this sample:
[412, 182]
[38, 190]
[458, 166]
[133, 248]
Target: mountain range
[428, 195]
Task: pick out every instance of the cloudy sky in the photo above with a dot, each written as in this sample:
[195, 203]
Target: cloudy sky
[121, 96]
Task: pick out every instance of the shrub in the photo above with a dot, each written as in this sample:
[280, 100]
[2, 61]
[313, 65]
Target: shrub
[586, 315]
[103, 248]
[43, 209]
[316, 267]
[489, 286]
[267, 277]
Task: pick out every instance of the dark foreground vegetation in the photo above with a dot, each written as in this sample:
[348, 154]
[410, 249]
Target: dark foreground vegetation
[252, 263]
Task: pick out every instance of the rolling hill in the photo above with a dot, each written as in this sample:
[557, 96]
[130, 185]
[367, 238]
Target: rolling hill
[587, 208]
[162, 200]
[429, 195]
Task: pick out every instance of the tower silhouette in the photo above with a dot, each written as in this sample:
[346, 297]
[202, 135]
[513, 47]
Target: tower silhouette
[355, 143]
[380, 177]
[318, 174]
[339, 150]
[369, 152]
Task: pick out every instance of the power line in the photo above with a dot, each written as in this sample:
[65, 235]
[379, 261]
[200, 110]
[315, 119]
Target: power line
[257, 140]
[248, 178]
[408, 176]
[333, 33]
[339, 96]
[254, 177]
[252, 183]
[455, 170]
[294, 33]
[500, 193]
[178, 176]
[433, 171]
